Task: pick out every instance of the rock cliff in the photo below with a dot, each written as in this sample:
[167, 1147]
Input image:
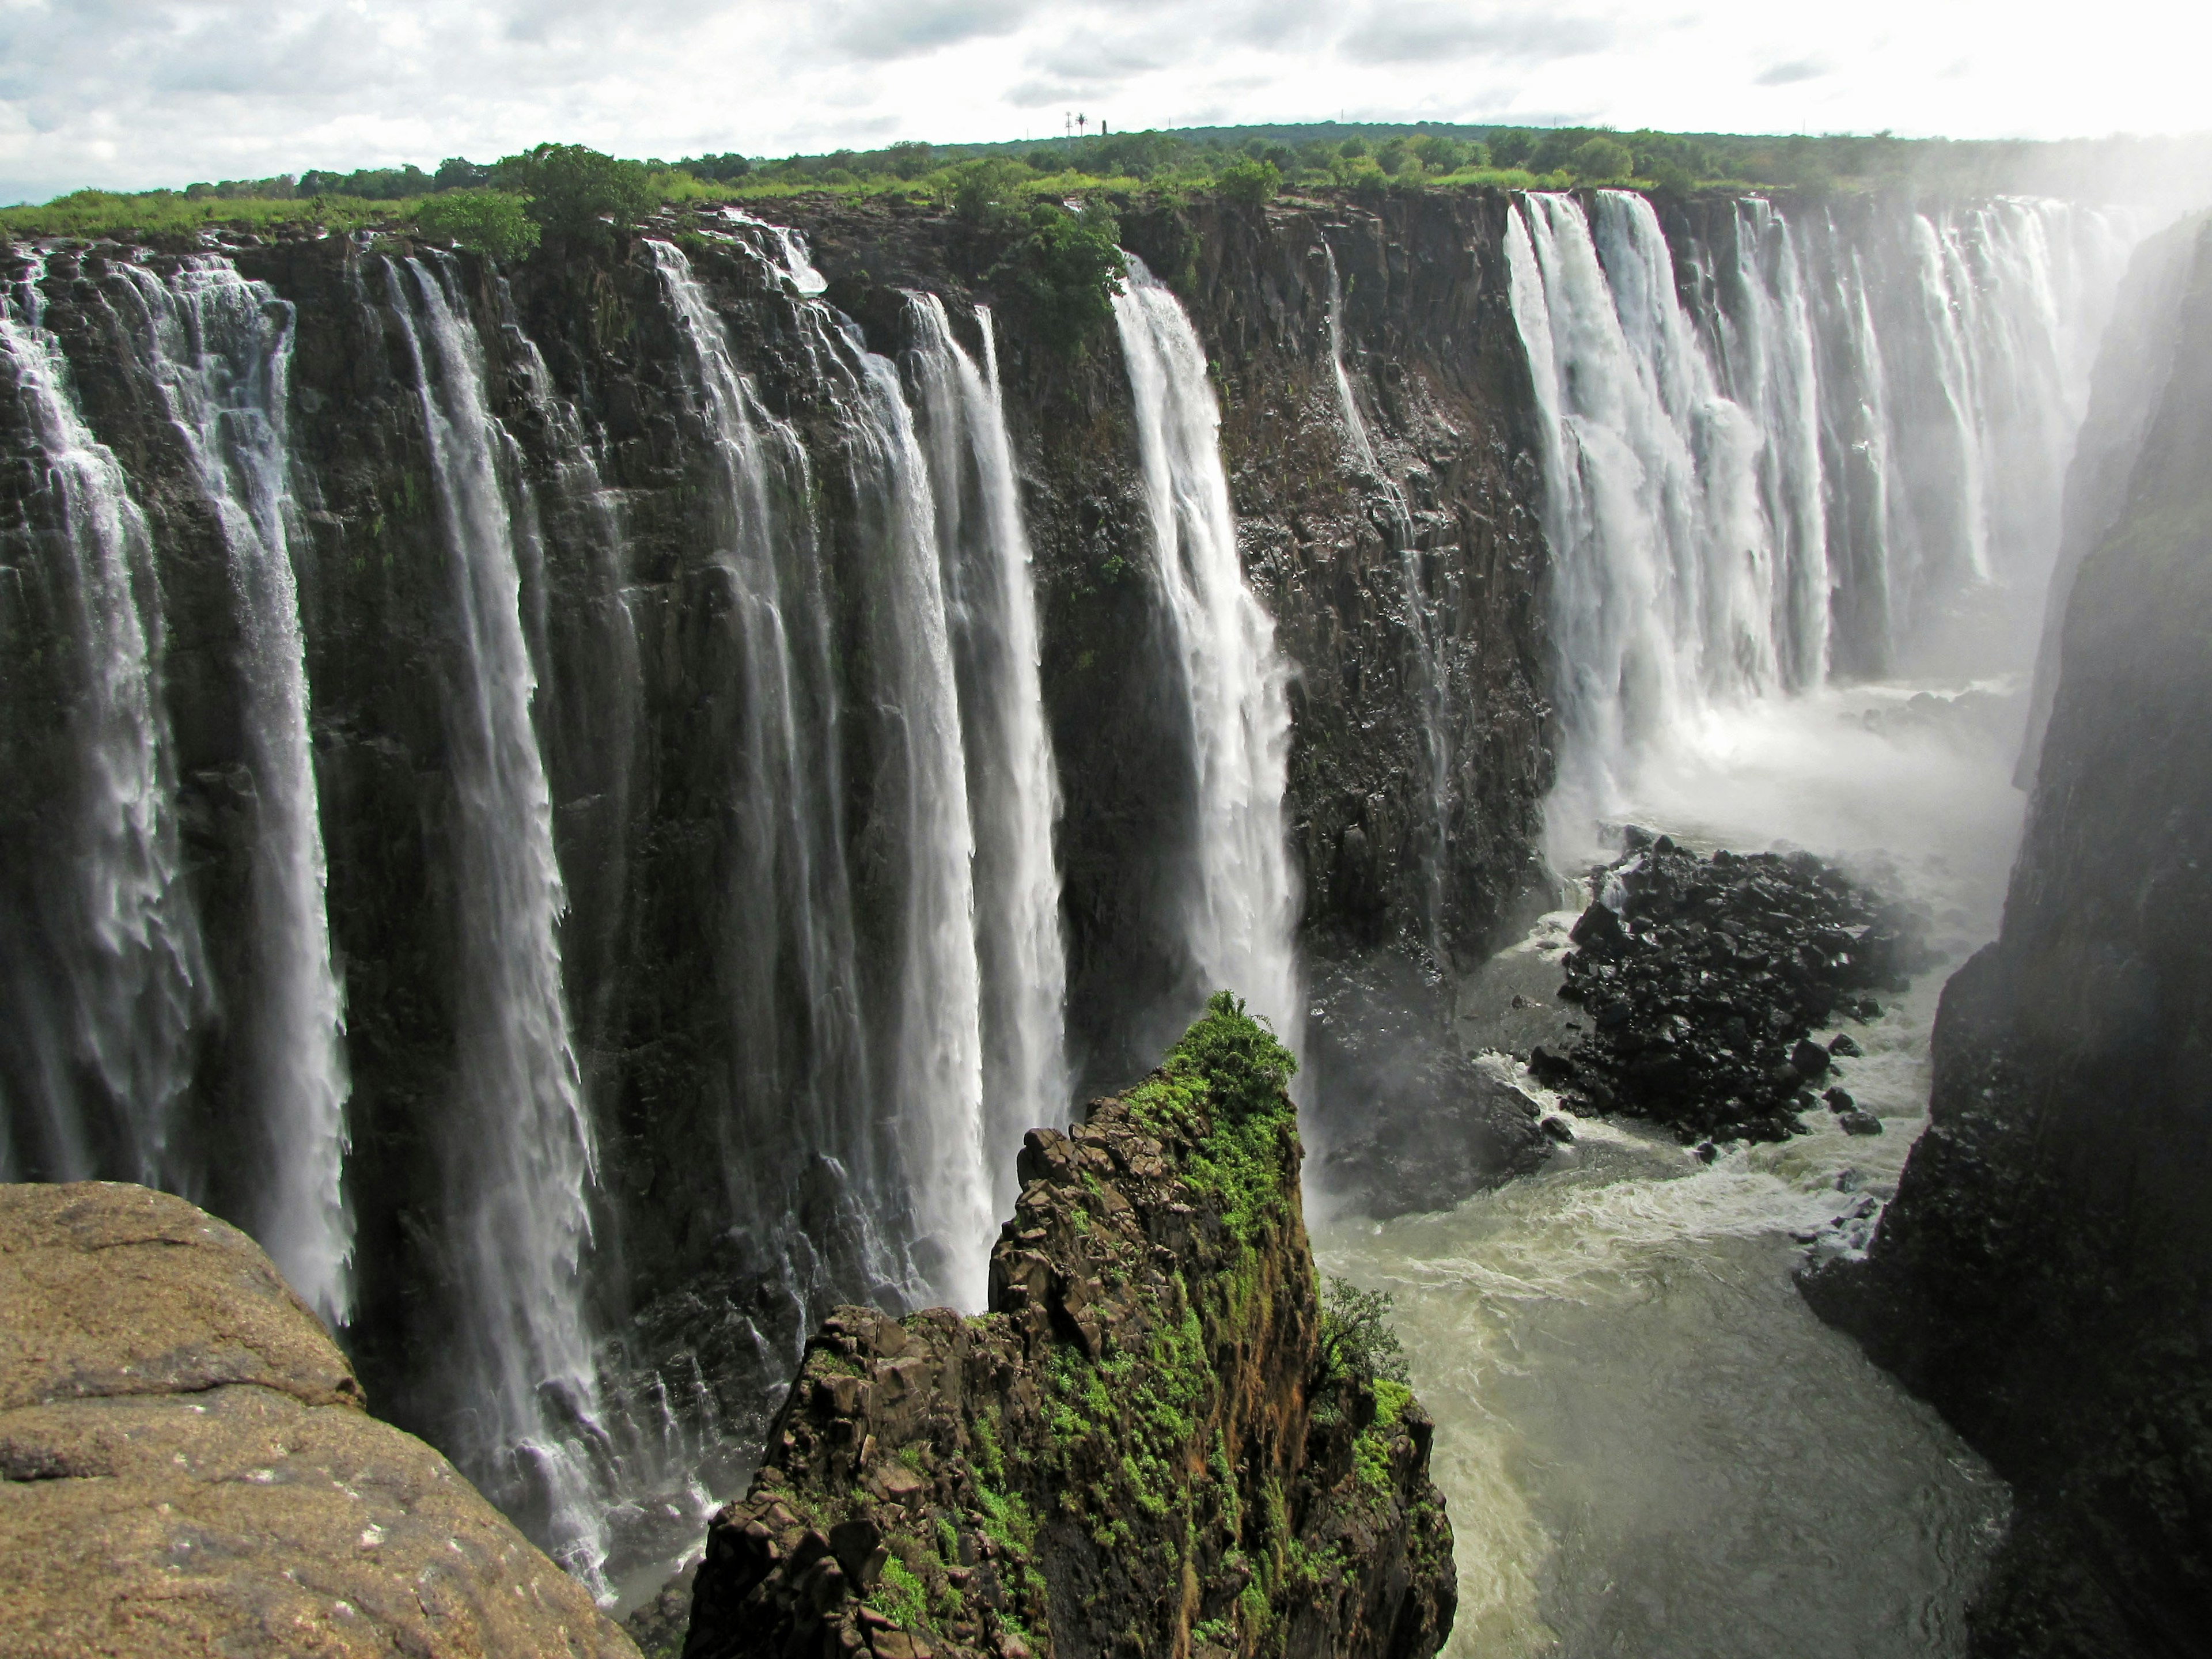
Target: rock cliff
[1155, 1443]
[702, 1270]
[186, 1465]
[2045, 1274]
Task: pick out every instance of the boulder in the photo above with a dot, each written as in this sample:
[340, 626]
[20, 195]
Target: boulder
[187, 1465]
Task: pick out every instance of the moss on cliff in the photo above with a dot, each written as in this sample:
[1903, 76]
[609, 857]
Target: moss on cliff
[1142, 1448]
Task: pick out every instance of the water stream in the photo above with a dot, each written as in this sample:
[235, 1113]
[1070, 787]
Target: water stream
[1649, 1444]
[520, 1158]
[1013, 790]
[219, 349]
[100, 957]
[1243, 901]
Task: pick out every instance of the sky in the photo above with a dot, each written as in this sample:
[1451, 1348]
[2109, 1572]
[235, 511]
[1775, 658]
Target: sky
[132, 93]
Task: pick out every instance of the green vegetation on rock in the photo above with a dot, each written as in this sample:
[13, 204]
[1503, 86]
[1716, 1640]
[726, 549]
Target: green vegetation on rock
[492, 221]
[576, 193]
[1141, 1447]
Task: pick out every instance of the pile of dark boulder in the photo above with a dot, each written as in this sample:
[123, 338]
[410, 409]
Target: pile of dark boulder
[1702, 980]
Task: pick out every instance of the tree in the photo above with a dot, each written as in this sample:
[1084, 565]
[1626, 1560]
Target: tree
[492, 221]
[1601, 159]
[1356, 1337]
[1511, 149]
[990, 192]
[458, 172]
[578, 194]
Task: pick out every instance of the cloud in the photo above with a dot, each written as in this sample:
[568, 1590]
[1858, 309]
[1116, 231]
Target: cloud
[1427, 33]
[1789, 74]
[886, 29]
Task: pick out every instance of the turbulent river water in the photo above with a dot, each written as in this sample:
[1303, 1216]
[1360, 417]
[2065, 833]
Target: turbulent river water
[1649, 1444]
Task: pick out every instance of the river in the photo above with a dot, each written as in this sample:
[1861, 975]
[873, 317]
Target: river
[1649, 1444]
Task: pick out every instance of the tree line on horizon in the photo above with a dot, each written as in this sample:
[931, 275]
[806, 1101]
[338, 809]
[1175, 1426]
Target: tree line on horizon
[490, 204]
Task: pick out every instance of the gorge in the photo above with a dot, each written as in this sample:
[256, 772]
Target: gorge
[588, 804]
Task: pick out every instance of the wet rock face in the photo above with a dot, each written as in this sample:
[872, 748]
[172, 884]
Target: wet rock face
[2045, 1274]
[1141, 1448]
[1438, 371]
[1404, 1120]
[1698, 993]
[640, 679]
[186, 1465]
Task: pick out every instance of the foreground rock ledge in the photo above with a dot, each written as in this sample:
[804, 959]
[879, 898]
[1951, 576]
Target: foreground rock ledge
[187, 1466]
[1144, 1448]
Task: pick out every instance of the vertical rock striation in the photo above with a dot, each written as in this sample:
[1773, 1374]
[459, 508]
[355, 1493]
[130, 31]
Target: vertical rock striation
[2045, 1274]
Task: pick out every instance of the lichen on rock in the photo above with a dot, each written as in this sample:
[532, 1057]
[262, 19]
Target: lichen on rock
[1143, 1446]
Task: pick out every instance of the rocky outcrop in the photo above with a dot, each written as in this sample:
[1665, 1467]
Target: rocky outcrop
[1153, 1443]
[2045, 1274]
[186, 1465]
[1700, 981]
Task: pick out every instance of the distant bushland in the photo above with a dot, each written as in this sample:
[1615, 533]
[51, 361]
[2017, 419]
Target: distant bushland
[577, 194]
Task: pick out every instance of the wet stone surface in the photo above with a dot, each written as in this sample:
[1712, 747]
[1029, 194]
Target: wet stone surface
[1700, 981]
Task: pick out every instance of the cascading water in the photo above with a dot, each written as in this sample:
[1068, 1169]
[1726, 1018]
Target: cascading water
[928, 1042]
[218, 348]
[938, 1075]
[1778, 458]
[1847, 460]
[1014, 793]
[1421, 624]
[801, 1033]
[519, 1157]
[104, 973]
[1240, 917]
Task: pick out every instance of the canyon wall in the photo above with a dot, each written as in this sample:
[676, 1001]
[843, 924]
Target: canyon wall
[620, 767]
[2044, 1274]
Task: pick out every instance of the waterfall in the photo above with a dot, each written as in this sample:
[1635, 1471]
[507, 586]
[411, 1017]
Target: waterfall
[218, 348]
[924, 1033]
[1242, 911]
[801, 1036]
[104, 975]
[518, 1155]
[1013, 792]
[936, 1083]
[1807, 451]
[1422, 629]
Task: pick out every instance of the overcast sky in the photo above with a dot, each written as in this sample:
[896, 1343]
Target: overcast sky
[129, 93]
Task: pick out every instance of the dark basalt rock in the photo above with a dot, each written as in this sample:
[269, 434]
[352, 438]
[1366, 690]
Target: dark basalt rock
[1142, 1448]
[1406, 1119]
[1701, 987]
[2045, 1274]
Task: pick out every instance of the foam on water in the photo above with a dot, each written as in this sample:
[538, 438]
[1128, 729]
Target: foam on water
[1648, 1442]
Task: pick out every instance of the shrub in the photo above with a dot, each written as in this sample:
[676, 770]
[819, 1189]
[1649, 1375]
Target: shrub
[492, 221]
[1066, 269]
[991, 192]
[1251, 181]
[577, 193]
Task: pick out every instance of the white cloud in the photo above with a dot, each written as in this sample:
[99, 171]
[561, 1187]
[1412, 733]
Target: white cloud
[134, 93]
